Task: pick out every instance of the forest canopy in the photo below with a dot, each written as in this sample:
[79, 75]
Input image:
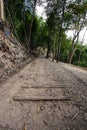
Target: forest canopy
[62, 15]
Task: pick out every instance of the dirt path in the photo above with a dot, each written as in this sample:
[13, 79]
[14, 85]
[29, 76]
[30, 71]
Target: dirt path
[44, 96]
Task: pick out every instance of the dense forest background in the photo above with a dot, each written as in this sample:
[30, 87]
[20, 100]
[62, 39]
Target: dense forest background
[50, 34]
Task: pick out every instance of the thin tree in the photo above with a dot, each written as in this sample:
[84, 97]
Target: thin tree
[11, 21]
[75, 42]
[30, 30]
[60, 31]
[78, 22]
[80, 53]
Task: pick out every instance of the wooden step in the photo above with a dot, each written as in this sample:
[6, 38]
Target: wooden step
[41, 94]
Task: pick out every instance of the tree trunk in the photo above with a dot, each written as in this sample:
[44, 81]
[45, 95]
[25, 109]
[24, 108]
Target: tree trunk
[54, 50]
[73, 50]
[25, 29]
[73, 45]
[71, 56]
[12, 24]
[80, 53]
[35, 2]
[48, 48]
[2, 16]
[60, 33]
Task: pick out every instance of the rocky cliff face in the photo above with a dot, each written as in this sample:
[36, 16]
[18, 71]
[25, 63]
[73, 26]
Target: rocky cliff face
[12, 56]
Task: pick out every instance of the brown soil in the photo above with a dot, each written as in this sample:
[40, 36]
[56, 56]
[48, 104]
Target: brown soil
[44, 96]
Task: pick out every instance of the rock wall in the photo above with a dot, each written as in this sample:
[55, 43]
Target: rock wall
[12, 56]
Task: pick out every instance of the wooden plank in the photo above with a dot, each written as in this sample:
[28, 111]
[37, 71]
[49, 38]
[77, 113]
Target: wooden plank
[41, 94]
[53, 87]
[41, 87]
[15, 98]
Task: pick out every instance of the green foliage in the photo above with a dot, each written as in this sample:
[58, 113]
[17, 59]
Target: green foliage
[51, 33]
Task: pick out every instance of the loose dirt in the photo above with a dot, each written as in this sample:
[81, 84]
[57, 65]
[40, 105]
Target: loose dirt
[44, 96]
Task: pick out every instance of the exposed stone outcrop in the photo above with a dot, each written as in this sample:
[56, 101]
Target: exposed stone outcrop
[12, 56]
